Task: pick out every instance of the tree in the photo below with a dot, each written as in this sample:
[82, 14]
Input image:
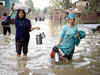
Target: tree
[30, 4]
[55, 3]
[45, 10]
[65, 4]
[92, 5]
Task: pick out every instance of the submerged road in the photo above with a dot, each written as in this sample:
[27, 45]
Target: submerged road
[86, 60]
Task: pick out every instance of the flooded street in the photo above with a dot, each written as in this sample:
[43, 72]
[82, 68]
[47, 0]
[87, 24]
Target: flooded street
[86, 60]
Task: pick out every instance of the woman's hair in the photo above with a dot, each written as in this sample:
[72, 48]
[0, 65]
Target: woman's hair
[5, 14]
[18, 11]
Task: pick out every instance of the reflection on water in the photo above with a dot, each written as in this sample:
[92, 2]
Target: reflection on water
[21, 68]
[86, 60]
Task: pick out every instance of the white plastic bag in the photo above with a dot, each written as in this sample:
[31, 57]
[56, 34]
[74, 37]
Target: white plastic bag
[20, 6]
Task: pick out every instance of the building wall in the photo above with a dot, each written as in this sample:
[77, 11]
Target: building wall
[58, 15]
[3, 9]
[98, 5]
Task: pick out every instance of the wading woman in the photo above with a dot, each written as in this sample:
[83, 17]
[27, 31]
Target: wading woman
[70, 37]
[23, 27]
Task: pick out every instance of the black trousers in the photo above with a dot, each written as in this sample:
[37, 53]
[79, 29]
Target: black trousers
[70, 56]
[22, 45]
[6, 29]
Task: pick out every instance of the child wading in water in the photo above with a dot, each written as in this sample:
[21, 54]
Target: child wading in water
[6, 24]
[70, 36]
[23, 27]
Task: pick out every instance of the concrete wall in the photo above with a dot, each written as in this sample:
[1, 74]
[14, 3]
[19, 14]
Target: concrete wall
[58, 15]
[2, 10]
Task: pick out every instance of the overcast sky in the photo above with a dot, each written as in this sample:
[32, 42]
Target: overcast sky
[38, 3]
[41, 3]
[74, 1]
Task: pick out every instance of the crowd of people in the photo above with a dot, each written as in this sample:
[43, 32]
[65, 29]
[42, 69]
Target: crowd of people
[39, 19]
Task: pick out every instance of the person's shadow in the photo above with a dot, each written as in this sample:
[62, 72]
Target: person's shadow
[21, 68]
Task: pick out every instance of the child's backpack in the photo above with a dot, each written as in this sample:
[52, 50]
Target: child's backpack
[6, 20]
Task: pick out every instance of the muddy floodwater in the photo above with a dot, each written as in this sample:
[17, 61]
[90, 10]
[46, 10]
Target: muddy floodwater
[86, 60]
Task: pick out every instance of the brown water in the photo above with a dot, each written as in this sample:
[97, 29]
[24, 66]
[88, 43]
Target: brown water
[86, 60]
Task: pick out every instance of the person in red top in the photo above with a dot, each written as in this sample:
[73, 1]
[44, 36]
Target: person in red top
[5, 21]
[3, 18]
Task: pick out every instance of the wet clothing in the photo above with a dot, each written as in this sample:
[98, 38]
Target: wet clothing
[6, 29]
[69, 57]
[22, 35]
[56, 49]
[22, 45]
[69, 36]
[22, 29]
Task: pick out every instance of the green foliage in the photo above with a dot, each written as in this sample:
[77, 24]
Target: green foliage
[61, 4]
[92, 5]
[45, 10]
[66, 4]
[30, 4]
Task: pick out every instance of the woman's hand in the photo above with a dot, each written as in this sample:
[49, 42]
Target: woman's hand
[78, 35]
[38, 28]
[59, 42]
